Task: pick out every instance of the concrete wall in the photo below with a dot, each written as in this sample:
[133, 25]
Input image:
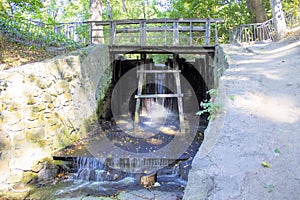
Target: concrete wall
[199, 185]
[47, 105]
[220, 64]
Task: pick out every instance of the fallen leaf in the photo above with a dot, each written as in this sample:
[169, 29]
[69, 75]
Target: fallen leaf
[264, 164]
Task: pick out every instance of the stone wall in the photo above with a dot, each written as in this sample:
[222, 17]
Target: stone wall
[199, 185]
[47, 105]
[220, 64]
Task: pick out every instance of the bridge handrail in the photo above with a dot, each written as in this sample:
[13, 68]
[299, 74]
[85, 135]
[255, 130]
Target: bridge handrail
[265, 31]
[184, 32]
[246, 33]
[57, 34]
[167, 32]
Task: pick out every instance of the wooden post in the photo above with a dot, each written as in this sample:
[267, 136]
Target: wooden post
[191, 34]
[207, 33]
[216, 34]
[112, 40]
[91, 33]
[179, 98]
[139, 92]
[175, 33]
[143, 33]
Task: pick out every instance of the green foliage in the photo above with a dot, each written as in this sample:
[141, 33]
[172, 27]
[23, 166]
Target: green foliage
[20, 7]
[234, 13]
[231, 97]
[277, 152]
[291, 5]
[212, 93]
[210, 106]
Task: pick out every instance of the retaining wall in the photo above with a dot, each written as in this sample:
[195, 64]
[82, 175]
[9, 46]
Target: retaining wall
[48, 105]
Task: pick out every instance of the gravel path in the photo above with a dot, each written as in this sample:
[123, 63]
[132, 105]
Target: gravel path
[252, 149]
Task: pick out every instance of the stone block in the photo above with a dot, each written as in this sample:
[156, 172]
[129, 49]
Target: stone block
[11, 118]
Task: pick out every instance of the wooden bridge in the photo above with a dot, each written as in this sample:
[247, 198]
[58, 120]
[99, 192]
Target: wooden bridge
[151, 35]
[156, 35]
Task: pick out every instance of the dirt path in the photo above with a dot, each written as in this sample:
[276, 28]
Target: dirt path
[251, 150]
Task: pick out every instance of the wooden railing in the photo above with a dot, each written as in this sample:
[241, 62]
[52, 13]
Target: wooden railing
[140, 32]
[156, 32]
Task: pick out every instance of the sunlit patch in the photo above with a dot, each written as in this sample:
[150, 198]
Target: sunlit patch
[168, 130]
[154, 141]
[141, 134]
[278, 109]
[122, 122]
[148, 123]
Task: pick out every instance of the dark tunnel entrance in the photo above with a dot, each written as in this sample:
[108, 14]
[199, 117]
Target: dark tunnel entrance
[158, 133]
[191, 82]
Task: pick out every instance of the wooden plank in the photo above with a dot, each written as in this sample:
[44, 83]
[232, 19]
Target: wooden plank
[158, 71]
[191, 33]
[143, 33]
[146, 96]
[179, 98]
[183, 49]
[163, 29]
[112, 39]
[161, 20]
[175, 34]
[138, 101]
[207, 33]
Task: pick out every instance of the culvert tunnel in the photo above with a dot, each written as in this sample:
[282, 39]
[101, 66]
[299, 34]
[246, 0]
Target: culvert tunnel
[193, 82]
[158, 131]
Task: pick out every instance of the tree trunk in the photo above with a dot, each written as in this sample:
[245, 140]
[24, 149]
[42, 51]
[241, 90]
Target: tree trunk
[96, 15]
[110, 14]
[124, 5]
[279, 20]
[257, 9]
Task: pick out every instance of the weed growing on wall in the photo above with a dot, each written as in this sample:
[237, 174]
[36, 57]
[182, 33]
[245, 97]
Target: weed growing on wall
[212, 107]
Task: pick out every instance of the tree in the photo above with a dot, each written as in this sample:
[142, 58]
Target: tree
[20, 7]
[234, 13]
[257, 9]
[279, 20]
[96, 15]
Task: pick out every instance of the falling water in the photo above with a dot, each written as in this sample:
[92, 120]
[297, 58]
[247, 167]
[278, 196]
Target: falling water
[113, 169]
[89, 168]
[159, 112]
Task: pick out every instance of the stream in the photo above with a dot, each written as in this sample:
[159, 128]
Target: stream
[87, 177]
[112, 161]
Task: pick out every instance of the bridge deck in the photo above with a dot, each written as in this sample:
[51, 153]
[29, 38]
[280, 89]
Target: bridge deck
[123, 49]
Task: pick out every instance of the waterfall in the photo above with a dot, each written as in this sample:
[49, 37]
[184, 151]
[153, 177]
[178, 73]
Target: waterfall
[89, 168]
[115, 169]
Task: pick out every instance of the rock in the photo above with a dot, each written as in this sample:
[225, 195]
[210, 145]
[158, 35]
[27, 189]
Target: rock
[48, 172]
[156, 184]
[28, 177]
[15, 192]
[148, 180]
